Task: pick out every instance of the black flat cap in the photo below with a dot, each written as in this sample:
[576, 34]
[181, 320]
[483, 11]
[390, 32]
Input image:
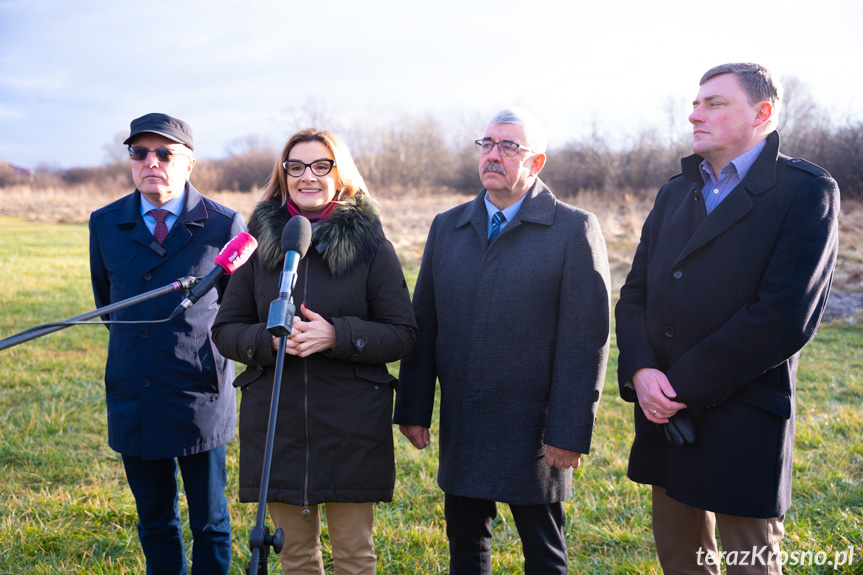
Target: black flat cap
[164, 125]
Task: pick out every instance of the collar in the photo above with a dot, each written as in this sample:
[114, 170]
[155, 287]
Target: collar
[175, 206]
[537, 207]
[508, 212]
[761, 175]
[194, 211]
[741, 163]
[349, 236]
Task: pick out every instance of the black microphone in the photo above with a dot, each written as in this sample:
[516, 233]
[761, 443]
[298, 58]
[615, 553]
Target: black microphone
[235, 253]
[296, 238]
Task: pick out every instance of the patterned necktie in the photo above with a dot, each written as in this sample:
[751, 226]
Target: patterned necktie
[496, 221]
[161, 229]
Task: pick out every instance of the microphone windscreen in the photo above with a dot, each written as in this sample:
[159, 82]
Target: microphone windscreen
[297, 236]
[236, 252]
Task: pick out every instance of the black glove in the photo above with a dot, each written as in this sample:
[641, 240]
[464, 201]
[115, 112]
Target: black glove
[679, 429]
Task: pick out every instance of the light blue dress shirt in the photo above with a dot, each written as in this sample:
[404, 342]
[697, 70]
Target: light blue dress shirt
[509, 212]
[174, 207]
[730, 176]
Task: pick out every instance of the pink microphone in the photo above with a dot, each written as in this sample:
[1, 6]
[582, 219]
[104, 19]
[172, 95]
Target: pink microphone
[235, 253]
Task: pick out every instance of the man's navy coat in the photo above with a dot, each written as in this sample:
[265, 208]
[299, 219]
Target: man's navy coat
[169, 392]
[723, 304]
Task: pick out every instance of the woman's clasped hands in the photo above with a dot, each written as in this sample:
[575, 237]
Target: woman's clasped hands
[308, 337]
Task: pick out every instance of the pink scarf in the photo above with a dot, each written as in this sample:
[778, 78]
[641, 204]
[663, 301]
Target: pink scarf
[293, 210]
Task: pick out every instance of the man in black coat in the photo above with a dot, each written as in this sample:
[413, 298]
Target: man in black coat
[727, 285]
[513, 320]
[168, 391]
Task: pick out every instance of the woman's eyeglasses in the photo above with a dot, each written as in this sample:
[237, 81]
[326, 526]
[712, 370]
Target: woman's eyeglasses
[296, 168]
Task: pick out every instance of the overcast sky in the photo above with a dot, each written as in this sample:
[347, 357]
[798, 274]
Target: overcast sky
[73, 74]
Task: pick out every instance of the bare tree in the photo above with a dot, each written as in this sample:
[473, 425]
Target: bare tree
[248, 165]
[115, 150]
[800, 118]
[423, 152]
[315, 113]
[581, 164]
[208, 176]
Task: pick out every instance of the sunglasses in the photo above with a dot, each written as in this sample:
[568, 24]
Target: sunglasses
[163, 155]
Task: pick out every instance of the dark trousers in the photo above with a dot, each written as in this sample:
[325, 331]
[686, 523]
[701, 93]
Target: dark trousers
[154, 485]
[468, 528]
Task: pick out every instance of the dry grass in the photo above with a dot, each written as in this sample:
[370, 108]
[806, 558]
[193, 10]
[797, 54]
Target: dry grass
[65, 507]
[407, 215]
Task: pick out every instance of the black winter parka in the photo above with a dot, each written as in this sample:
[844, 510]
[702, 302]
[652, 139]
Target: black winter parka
[333, 439]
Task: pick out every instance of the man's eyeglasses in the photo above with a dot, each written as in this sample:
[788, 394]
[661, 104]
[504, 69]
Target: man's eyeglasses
[296, 168]
[164, 155]
[506, 147]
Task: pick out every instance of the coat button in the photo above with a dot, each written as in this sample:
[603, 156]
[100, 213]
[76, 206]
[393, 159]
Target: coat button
[148, 276]
[360, 343]
[355, 357]
[146, 383]
[677, 274]
[145, 333]
[250, 353]
[669, 332]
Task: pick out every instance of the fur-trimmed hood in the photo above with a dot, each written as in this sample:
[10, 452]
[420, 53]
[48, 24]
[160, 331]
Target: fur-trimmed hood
[350, 235]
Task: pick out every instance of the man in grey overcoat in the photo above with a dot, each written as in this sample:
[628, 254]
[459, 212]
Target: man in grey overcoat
[512, 304]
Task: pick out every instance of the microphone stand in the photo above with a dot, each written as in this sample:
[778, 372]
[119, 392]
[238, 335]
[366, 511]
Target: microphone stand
[295, 242]
[33, 333]
[260, 539]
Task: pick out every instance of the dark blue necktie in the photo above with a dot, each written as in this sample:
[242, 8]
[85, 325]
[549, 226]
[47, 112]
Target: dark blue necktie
[496, 221]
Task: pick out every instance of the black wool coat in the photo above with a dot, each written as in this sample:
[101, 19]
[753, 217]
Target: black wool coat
[333, 439]
[723, 304]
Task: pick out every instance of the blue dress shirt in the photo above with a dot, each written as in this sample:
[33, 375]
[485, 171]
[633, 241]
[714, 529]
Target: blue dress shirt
[174, 207]
[509, 212]
[732, 173]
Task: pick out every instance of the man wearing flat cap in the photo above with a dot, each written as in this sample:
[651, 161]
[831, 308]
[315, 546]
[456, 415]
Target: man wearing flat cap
[169, 392]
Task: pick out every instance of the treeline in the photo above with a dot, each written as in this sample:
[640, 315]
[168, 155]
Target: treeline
[424, 153]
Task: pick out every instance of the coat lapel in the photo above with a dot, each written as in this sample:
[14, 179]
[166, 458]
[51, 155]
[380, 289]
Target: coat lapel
[739, 202]
[477, 216]
[538, 208]
[131, 221]
[736, 205]
[193, 216]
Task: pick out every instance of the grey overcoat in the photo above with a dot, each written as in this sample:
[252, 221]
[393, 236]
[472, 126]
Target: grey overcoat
[518, 336]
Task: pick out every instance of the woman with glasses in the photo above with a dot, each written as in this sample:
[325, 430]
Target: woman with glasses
[333, 441]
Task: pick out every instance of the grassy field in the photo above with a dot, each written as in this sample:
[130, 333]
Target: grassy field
[65, 507]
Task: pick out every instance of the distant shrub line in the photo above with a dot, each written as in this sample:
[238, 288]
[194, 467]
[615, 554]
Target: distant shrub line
[420, 152]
